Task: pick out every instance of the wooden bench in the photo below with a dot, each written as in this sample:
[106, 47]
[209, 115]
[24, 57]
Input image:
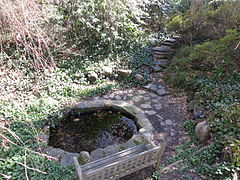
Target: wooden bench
[120, 164]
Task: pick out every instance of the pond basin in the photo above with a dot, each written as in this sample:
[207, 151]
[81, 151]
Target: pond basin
[87, 131]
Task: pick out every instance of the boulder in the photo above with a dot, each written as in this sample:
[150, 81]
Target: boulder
[67, 158]
[124, 73]
[105, 139]
[84, 157]
[98, 154]
[92, 76]
[56, 153]
[107, 70]
[109, 150]
[139, 78]
[202, 132]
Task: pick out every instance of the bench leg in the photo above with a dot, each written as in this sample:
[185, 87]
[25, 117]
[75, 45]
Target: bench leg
[78, 168]
[160, 153]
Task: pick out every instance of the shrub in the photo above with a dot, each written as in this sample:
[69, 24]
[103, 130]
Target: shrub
[207, 22]
[22, 35]
[101, 27]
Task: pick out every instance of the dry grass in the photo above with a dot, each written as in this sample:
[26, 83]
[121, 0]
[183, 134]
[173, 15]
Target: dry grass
[21, 28]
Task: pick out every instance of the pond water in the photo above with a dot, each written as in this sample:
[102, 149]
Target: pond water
[91, 130]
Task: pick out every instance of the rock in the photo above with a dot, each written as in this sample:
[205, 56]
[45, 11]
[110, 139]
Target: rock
[98, 154]
[162, 124]
[112, 149]
[198, 112]
[153, 87]
[107, 70]
[156, 75]
[158, 106]
[118, 97]
[172, 133]
[168, 122]
[127, 144]
[202, 132]
[147, 86]
[151, 113]
[67, 158]
[137, 99]
[56, 153]
[124, 73]
[157, 68]
[139, 78]
[111, 95]
[84, 157]
[137, 139]
[162, 92]
[155, 100]
[130, 123]
[46, 150]
[92, 76]
[105, 139]
[153, 95]
[146, 106]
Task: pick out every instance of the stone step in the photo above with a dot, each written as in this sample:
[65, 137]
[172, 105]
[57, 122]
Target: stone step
[159, 57]
[176, 37]
[162, 49]
[162, 62]
[168, 44]
[171, 40]
[163, 53]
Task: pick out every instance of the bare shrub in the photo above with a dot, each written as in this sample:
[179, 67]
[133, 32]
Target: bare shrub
[21, 27]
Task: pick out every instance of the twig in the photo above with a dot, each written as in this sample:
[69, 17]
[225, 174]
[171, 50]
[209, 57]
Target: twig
[237, 46]
[12, 133]
[25, 162]
[170, 166]
[6, 176]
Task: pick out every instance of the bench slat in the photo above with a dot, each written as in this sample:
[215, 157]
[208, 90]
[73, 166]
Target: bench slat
[95, 171]
[120, 164]
[114, 157]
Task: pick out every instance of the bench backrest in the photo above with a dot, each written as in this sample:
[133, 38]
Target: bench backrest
[119, 164]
